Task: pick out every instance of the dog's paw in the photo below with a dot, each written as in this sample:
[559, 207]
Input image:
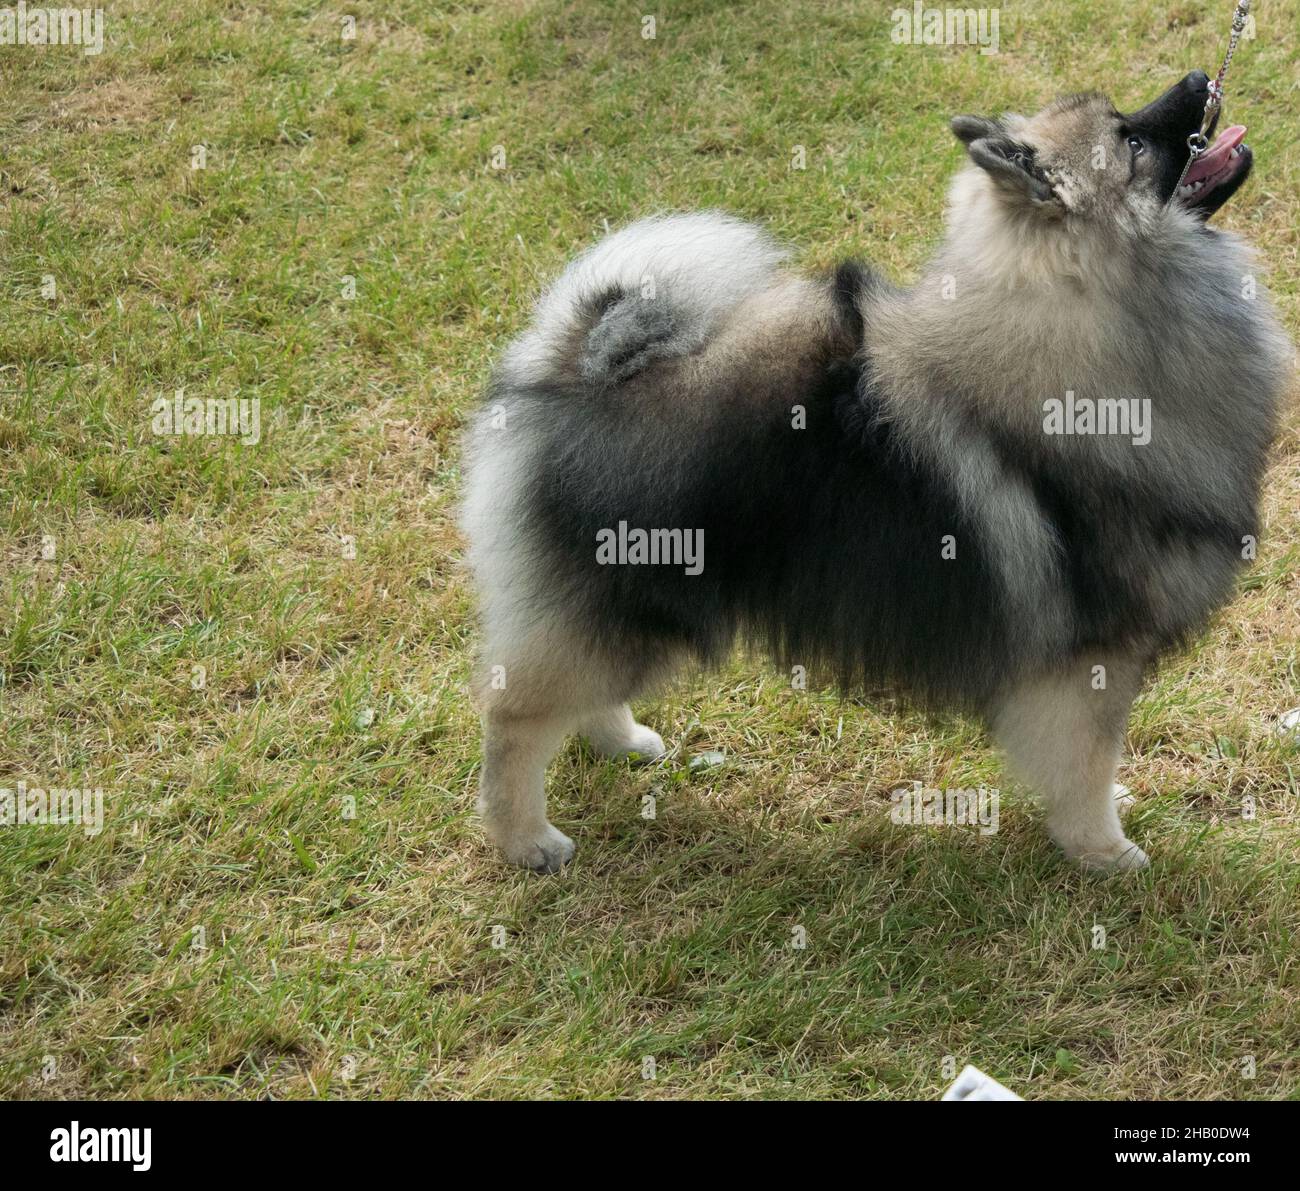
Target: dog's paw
[547, 851]
[646, 744]
[1119, 857]
[643, 743]
[1124, 799]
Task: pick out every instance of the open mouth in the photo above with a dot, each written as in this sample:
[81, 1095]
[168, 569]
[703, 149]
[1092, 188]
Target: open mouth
[1222, 164]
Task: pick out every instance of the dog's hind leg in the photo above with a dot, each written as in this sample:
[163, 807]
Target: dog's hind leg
[512, 790]
[1062, 733]
[535, 688]
[614, 733]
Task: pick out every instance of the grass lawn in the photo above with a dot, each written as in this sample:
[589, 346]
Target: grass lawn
[260, 652]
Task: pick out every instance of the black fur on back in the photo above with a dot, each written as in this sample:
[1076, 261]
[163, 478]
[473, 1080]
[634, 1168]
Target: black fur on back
[822, 545]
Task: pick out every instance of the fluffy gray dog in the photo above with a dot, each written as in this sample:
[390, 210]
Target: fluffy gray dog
[1006, 490]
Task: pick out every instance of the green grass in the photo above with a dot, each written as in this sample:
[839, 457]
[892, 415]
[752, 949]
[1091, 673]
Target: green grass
[350, 955]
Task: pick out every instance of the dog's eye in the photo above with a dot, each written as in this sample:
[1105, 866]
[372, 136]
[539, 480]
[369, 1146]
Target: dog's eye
[1135, 143]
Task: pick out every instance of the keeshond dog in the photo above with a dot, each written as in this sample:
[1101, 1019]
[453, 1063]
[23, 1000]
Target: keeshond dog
[1006, 490]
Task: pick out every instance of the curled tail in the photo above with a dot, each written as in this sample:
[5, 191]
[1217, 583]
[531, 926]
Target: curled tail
[653, 290]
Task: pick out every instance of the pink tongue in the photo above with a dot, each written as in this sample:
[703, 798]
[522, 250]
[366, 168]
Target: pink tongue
[1216, 156]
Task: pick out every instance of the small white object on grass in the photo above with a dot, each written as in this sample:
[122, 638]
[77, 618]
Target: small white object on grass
[1288, 724]
[973, 1084]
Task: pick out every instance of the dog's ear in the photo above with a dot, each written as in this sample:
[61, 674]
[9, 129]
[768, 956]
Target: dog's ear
[972, 128]
[1012, 165]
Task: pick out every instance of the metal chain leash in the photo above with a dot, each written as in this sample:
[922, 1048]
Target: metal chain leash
[1198, 142]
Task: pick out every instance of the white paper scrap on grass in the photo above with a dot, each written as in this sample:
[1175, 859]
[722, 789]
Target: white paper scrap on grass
[973, 1084]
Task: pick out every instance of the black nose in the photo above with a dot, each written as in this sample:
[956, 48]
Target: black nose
[1176, 113]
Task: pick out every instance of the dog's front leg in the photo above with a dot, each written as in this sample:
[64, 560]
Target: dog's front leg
[1062, 733]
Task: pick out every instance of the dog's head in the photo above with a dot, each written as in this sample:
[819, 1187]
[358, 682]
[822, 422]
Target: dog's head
[1082, 157]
